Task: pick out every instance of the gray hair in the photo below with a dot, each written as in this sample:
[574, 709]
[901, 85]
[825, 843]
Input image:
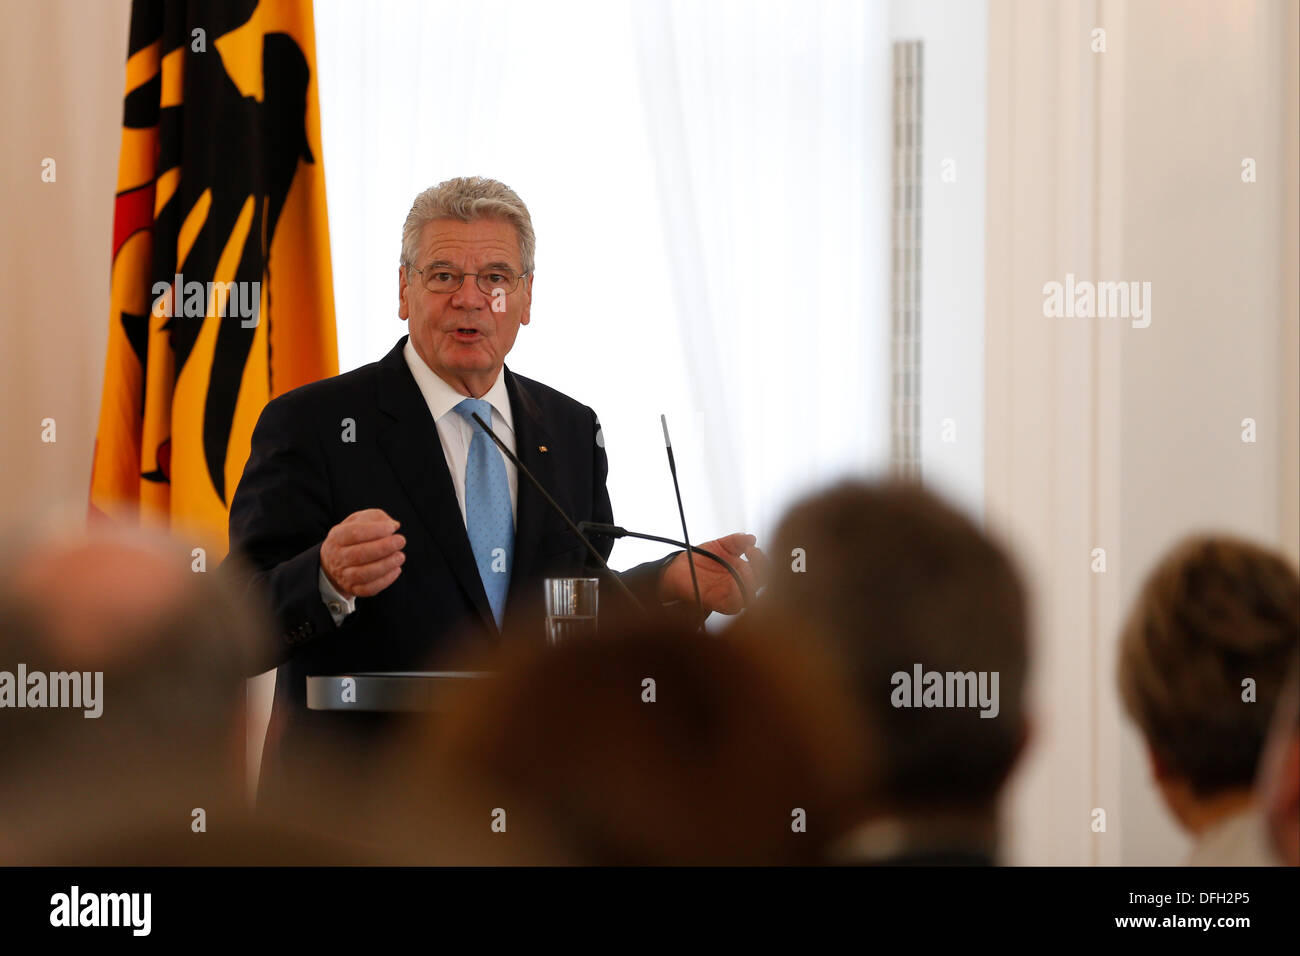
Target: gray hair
[468, 198]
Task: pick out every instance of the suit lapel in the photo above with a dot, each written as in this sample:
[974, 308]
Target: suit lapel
[410, 442]
[530, 437]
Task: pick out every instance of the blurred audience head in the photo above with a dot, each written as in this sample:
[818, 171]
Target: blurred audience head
[130, 668]
[1202, 661]
[928, 617]
[649, 744]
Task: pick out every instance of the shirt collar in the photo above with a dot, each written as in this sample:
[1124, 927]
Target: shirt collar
[442, 398]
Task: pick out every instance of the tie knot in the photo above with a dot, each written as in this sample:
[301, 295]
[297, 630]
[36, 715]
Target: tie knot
[467, 407]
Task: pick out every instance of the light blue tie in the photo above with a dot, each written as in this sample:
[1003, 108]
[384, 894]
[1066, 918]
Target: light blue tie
[488, 519]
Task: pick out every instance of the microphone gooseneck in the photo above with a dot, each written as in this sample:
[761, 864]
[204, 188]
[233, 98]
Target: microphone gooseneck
[617, 531]
[523, 469]
[690, 554]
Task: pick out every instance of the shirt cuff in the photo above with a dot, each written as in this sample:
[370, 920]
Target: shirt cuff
[338, 605]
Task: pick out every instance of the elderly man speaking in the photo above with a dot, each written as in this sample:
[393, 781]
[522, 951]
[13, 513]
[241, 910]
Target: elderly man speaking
[380, 519]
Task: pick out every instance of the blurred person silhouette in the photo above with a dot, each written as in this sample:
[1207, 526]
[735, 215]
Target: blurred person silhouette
[923, 611]
[128, 743]
[1278, 787]
[648, 744]
[1202, 660]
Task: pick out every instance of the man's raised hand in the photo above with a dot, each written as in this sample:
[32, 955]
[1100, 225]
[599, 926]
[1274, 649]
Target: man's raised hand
[362, 554]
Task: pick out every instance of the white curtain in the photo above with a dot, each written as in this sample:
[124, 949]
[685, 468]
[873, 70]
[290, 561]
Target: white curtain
[709, 186]
[769, 128]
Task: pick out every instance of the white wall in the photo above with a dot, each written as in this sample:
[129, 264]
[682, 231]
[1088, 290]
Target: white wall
[1203, 89]
[1125, 165]
[62, 67]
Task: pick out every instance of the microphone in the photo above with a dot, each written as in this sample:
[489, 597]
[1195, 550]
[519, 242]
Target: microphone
[616, 531]
[523, 470]
[690, 554]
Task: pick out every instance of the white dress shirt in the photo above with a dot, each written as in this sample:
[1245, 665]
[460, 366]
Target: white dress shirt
[455, 433]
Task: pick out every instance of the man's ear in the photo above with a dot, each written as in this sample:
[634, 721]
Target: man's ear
[1159, 769]
[1023, 738]
[526, 314]
[402, 285]
[1026, 736]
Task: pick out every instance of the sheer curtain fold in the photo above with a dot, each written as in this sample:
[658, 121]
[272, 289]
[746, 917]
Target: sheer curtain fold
[767, 126]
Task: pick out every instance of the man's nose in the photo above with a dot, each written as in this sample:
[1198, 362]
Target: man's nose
[469, 296]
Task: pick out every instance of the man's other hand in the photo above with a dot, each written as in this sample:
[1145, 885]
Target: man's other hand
[718, 591]
[362, 554]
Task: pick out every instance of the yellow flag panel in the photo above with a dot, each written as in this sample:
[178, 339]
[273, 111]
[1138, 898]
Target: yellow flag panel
[221, 285]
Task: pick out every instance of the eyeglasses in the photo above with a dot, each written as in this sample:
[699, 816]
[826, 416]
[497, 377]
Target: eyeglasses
[442, 280]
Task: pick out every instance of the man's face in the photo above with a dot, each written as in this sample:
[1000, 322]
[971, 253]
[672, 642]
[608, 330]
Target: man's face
[458, 334]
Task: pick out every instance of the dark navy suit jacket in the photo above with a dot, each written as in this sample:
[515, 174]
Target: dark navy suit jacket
[302, 478]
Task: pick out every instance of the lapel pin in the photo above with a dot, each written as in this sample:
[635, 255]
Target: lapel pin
[541, 448]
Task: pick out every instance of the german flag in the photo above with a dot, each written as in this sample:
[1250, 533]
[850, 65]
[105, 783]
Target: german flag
[221, 286]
